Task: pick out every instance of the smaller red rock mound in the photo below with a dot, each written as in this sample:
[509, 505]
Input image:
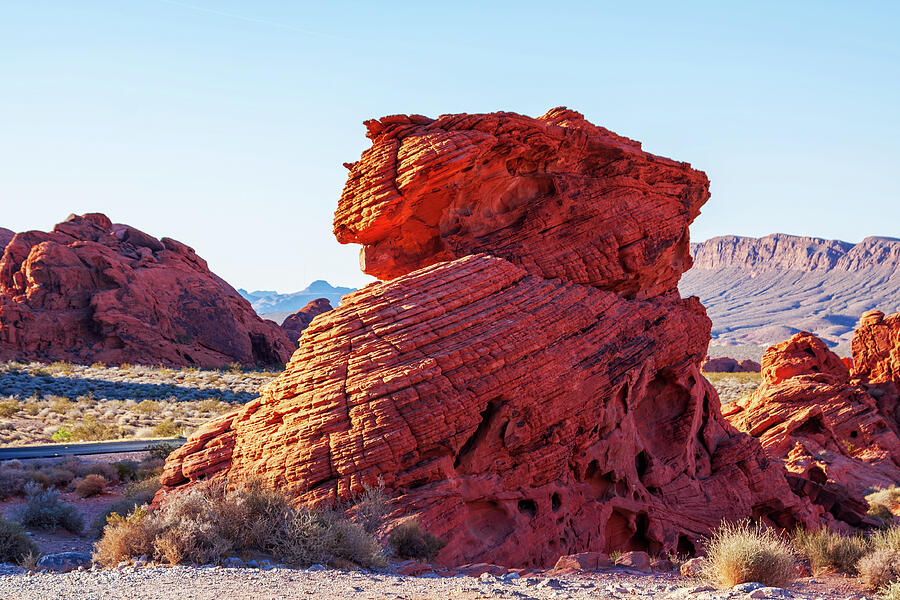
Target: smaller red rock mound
[295, 324]
[831, 433]
[803, 354]
[725, 364]
[876, 348]
[93, 291]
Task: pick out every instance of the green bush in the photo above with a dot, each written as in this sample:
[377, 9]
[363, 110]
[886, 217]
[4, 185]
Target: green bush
[44, 510]
[168, 429]
[409, 540]
[743, 552]
[15, 545]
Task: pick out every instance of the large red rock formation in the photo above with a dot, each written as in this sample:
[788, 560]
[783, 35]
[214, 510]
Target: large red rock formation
[837, 437]
[93, 291]
[876, 348]
[522, 408]
[294, 324]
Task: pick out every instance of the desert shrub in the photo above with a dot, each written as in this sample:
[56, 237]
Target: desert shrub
[882, 513]
[90, 485]
[61, 435]
[44, 510]
[59, 477]
[92, 429]
[168, 428]
[12, 482]
[887, 539]
[160, 451]
[880, 568]
[742, 552]
[371, 507]
[126, 470]
[890, 591]
[148, 407]
[15, 545]
[213, 405]
[208, 523]
[9, 407]
[409, 540]
[137, 494]
[106, 470]
[60, 404]
[826, 550]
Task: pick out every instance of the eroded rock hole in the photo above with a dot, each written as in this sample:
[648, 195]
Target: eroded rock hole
[685, 546]
[642, 463]
[555, 502]
[487, 416]
[527, 507]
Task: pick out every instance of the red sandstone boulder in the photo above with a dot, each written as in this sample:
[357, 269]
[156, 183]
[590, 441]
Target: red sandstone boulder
[639, 561]
[295, 324]
[93, 291]
[876, 348]
[833, 435]
[527, 382]
[583, 561]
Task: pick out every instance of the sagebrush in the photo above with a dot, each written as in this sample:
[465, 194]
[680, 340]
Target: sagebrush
[211, 522]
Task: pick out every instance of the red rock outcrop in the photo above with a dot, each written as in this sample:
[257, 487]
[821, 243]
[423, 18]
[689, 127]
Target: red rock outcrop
[836, 437]
[295, 324]
[876, 348]
[607, 214]
[726, 364]
[6, 237]
[93, 291]
[522, 409]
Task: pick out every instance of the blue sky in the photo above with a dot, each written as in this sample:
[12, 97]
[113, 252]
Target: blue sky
[225, 124]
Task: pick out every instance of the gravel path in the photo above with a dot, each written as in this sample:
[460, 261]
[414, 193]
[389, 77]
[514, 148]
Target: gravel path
[215, 583]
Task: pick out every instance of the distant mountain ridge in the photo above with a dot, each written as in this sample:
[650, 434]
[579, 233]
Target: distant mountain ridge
[763, 290]
[266, 302]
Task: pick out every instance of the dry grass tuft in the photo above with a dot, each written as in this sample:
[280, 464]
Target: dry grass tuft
[832, 551]
[743, 552]
[880, 568]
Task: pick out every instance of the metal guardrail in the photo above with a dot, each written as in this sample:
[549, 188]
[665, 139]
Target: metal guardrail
[81, 449]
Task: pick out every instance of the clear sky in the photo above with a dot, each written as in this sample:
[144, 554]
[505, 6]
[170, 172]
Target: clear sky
[224, 124]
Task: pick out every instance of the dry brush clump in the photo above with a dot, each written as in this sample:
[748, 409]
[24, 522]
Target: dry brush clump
[742, 552]
[15, 545]
[211, 522]
[44, 509]
[409, 540]
[830, 551]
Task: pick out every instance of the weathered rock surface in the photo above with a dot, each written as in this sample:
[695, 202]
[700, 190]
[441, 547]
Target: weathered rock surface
[795, 283]
[93, 291]
[726, 364]
[6, 236]
[837, 437]
[521, 409]
[607, 214]
[295, 324]
[876, 348]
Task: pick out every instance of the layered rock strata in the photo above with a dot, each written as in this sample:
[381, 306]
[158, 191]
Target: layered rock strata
[837, 436]
[294, 324]
[527, 382]
[93, 291]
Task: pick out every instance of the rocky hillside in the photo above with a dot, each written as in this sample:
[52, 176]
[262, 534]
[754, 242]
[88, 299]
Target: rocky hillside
[760, 291]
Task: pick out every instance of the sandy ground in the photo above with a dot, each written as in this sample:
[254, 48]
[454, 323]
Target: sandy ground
[209, 583]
